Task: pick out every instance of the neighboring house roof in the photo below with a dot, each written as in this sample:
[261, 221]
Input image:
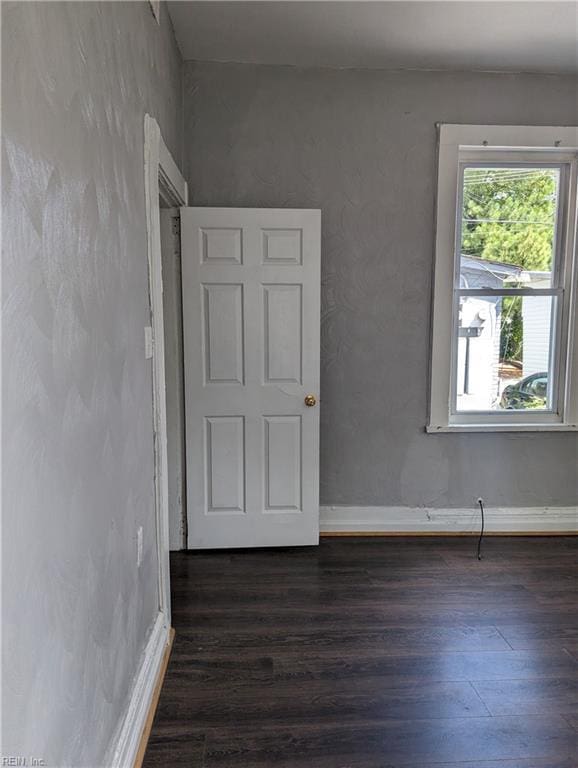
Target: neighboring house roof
[540, 279]
[482, 273]
[535, 274]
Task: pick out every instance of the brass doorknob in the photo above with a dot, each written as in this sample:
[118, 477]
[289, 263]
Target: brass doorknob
[310, 401]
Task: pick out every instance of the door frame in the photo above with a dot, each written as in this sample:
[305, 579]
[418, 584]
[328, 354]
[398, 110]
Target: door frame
[162, 178]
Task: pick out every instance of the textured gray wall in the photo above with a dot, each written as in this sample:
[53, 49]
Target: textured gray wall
[360, 145]
[77, 79]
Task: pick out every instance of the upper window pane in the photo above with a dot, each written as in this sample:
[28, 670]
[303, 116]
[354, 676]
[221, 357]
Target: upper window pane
[508, 226]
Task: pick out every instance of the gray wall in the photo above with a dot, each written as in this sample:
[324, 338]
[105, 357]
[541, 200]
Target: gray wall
[77, 434]
[360, 145]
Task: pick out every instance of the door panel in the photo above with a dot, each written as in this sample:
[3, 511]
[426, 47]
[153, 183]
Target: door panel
[225, 464]
[282, 332]
[282, 463]
[282, 246]
[251, 281]
[222, 320]
[221, 245]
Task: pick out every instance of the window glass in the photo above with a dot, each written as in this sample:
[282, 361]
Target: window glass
[503, 353]
[508, 226]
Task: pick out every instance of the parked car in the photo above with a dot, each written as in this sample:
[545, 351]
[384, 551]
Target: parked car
[531, 392]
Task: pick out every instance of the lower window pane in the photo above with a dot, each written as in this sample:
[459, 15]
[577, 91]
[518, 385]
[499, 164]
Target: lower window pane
[503, 353]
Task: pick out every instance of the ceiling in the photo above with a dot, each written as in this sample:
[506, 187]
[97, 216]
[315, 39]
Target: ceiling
[497, 35]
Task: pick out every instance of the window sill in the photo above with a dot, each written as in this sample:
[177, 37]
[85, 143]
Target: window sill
[433, 429]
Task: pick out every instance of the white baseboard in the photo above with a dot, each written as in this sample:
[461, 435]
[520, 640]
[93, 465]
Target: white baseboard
[422, 520]
[131, 730]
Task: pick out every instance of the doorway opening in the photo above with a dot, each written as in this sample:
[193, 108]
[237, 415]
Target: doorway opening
[174, 370]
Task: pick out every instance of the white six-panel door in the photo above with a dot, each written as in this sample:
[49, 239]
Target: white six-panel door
[251, 283]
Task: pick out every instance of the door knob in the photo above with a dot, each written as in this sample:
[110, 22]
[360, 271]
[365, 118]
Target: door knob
[310, 401]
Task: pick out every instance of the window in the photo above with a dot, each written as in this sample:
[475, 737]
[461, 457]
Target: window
[504, 347]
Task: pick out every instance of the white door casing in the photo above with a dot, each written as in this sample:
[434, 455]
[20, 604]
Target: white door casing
[251, 316]
[162, 177]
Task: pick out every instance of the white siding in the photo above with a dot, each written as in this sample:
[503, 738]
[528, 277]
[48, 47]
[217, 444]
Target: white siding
[536, 312]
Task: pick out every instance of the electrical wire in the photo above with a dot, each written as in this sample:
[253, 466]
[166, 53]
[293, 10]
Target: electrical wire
[481, 503]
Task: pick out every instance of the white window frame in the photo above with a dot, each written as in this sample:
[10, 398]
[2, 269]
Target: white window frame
[495, 143]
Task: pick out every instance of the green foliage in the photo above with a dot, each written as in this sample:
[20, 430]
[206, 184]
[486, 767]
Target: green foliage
[512, 329]
[509, 215]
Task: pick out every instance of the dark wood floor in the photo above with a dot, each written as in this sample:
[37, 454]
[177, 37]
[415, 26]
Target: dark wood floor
[374, 653]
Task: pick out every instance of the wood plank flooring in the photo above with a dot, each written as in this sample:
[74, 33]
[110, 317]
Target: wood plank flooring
[374, 653]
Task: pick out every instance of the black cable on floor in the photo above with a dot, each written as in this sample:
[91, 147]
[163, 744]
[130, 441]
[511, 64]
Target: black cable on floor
[481, 503]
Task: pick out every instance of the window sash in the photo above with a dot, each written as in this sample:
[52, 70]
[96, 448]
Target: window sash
[554, 409]
[509, 291]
